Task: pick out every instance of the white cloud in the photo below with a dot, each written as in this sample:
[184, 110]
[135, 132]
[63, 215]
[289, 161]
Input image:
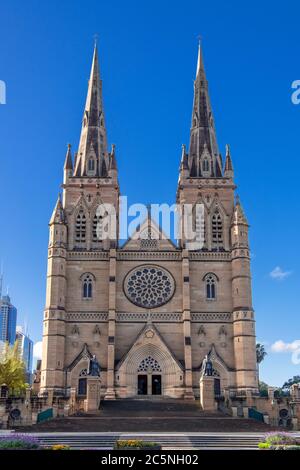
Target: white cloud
[281, 346]
[279, 274]
[37, 350]
[293, 347]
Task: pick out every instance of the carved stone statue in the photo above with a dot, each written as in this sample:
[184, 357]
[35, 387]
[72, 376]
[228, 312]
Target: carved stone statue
[94, 367]
[207, 368]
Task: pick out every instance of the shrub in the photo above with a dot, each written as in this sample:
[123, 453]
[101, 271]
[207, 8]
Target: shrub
[263, 445]
[19, 441]
[279, 438]
[134, 443]
[60, 447]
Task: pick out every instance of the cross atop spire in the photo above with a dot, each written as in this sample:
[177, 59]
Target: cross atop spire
[93, 140]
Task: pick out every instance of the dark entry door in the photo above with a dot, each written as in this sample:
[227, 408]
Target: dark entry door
[156, 384]
[217, 387]
[142, 384]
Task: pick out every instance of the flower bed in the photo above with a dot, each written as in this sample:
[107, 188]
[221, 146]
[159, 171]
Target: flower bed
[19, 442]
[279, 441]
[136, 445]
[59, 447]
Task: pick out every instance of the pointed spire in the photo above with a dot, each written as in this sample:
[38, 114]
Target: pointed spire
[200, 63]
[239, 214]
[228, 172]
[58, 213]
[202, 129]
[68, 161]
[113, 161]
[184, 159]
[93, 132]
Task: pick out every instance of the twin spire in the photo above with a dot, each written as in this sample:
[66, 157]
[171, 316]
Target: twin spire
[202, 160]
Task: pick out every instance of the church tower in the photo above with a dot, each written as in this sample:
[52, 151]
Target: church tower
[75, 245]
[203, 180]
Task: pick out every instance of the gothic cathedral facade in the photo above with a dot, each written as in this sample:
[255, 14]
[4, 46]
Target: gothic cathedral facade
[149, 310]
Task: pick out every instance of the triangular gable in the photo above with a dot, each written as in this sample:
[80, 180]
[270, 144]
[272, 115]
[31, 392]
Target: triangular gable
[84, 354]
[148, 335]
[149, 230]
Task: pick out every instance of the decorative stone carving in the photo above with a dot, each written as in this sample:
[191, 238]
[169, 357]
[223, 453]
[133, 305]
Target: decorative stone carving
[97, 330]
[223, 336]
[149, 365]
[75, 331]
[210, 316]
[155, 316]
[201, 331]
[149, 286]
[149, 334]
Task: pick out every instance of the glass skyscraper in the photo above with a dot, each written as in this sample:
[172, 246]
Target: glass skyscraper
[8, 320]
[26, 352]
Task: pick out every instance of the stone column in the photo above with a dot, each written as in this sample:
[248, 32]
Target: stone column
[92, 401]
[110, 390]
[207, 393]
[188, 394]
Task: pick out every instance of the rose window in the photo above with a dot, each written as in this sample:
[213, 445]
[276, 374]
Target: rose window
[149, 286]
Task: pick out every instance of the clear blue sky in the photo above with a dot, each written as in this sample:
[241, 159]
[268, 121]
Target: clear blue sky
[148, 58]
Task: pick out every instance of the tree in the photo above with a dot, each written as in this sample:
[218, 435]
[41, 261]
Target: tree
[260, 355]
[260, 352]
[263, 389]
[290, 382]
[12, 369]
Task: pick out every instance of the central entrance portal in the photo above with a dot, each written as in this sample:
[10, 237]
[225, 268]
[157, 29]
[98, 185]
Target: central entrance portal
[149, 384]
[149, 377]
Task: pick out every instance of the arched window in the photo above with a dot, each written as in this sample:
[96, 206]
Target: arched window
[82, 385]
[97, 228]
[91, 165]
[205, 165]
[80, 227]
[200, 227]
[87, 287]
[217, 229]
[211, 286]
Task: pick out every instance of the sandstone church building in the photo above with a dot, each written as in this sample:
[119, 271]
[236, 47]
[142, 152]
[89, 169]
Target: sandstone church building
[149, 310]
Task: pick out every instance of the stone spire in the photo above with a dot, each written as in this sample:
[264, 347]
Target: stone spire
[58, 213]
[228, 171]
[203, 141]
[93, 140]
[68, 161]
[239, 217]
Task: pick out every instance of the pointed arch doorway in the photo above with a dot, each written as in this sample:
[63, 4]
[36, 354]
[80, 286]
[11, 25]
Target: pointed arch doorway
[149, 377]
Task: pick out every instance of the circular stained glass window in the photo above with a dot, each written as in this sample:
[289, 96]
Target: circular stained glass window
[149, 286]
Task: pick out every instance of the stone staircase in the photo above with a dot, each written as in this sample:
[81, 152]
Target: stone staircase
[143, 416]
[168, 441]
